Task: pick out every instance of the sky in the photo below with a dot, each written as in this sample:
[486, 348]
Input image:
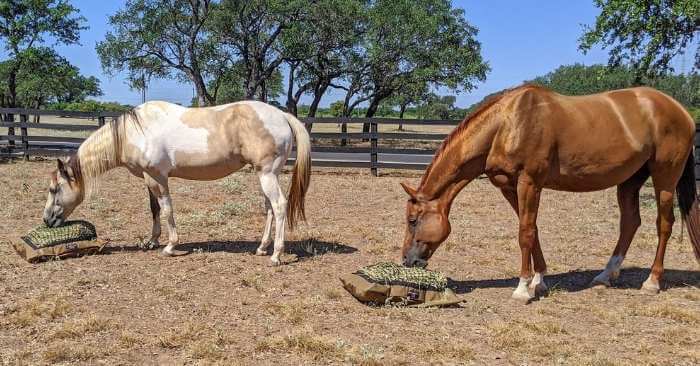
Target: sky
[521, 39]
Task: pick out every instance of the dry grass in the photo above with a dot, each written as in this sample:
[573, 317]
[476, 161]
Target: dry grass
[224, 305]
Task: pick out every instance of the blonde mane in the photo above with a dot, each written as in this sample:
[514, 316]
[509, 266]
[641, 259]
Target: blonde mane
[101, 151]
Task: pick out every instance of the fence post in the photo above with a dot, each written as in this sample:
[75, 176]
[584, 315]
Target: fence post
[373, 130]
[344, 131]
[23, 119]
[101, 121]
[10, 118]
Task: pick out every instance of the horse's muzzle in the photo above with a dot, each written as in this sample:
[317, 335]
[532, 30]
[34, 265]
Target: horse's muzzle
[414, 261]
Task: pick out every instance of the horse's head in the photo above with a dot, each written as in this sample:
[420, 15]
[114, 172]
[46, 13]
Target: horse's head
[427, 226]
[65, 192]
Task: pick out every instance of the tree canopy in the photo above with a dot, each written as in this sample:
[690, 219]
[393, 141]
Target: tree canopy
[646, 35]
[24, 24]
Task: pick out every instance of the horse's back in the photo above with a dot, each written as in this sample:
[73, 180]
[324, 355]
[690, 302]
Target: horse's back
[596, 141]
[211, 142]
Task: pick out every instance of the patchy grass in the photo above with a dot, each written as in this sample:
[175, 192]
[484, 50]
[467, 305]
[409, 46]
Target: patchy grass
[667, 311]
[225, 305]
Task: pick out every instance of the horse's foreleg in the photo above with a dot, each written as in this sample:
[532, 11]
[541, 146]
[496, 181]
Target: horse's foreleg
[528, 204]
[628, 201]
[267, 232]
[537, 285]
[273, 192]
[159, 187]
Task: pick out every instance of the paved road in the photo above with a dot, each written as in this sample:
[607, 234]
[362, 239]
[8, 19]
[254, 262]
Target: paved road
[384, 158]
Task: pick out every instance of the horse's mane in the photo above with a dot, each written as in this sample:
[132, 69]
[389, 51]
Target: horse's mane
[101, 151]
[485, 105]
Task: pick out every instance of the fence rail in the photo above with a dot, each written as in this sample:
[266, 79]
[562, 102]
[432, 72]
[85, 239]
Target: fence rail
[22, 138]
[374, 149]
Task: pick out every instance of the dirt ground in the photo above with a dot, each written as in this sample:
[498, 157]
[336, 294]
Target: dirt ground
[223, 305]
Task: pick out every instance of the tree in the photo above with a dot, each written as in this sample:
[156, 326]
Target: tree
[252, 29]
[578, 79]
[25, 23]
[315, 48]
[412, 43]
[645, 34]
[165, 39]
[410, 95]
[438, 107]
[47, 77]
[231, 85]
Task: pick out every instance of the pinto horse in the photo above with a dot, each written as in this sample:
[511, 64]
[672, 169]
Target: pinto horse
[158, 140]
[530, 138]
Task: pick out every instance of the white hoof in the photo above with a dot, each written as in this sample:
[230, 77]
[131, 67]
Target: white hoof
[651, 286]
[275, 262]
[169, 251]
[522, 296]
[601, 280]
[261, 252]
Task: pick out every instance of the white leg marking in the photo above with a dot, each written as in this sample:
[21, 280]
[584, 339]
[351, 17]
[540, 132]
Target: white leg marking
[651, 285]
[538, 286]
[521, 292]
[278, 201]
[611, 272]
[267, 233]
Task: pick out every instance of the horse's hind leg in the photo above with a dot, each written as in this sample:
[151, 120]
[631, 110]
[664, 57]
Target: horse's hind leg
[267, 232]
[665, 180]
[628, 201]
[278, 201]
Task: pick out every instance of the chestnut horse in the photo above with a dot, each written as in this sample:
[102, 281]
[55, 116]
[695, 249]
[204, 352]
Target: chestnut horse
[158, 140]
[530, 138]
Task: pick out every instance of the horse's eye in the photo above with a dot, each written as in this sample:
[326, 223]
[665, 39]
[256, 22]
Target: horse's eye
[53, 190]
[412, 221]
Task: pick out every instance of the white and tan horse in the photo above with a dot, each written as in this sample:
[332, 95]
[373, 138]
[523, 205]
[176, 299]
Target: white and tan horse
[158, 140]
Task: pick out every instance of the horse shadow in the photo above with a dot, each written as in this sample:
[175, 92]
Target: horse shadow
[579, 280]
[302, 249]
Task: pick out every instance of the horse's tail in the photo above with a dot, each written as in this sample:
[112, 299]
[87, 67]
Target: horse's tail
[688, 203]
[302, 172]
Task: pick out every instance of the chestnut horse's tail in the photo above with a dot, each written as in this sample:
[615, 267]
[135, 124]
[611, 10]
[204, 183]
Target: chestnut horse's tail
[302, 172]
[688, 203]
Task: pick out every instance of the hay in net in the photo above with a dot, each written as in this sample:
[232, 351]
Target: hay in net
[388, 273]
[71, 231]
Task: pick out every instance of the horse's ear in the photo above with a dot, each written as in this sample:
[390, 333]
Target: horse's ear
[62, 168]
[410, 190]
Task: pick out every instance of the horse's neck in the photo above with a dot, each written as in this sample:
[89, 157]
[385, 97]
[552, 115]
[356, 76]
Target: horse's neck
[460, 161]
[101, 152]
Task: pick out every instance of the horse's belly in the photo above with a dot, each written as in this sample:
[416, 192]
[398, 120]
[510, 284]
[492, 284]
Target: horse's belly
[205, 167]
[593, 174]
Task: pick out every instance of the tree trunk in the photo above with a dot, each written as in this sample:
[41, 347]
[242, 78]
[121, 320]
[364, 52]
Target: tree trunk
[203, 97]
[319, 90]
[371, 110]
[402, 109]
[291, 101]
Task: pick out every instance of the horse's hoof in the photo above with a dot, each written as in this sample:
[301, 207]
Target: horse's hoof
[173, 252]
[600, 282]
[522, 297]
[149, 245]
[539, 290]
[261, 252]
[651, 287]
[275, 262]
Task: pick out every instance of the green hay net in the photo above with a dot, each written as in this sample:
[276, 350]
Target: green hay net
[70, 231]
[393, 274]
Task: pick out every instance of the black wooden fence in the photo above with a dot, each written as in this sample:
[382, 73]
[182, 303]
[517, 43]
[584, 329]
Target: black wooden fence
[379, 148]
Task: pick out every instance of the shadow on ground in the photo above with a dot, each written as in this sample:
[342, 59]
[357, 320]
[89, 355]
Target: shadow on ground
[579, 280]
[302, 248]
